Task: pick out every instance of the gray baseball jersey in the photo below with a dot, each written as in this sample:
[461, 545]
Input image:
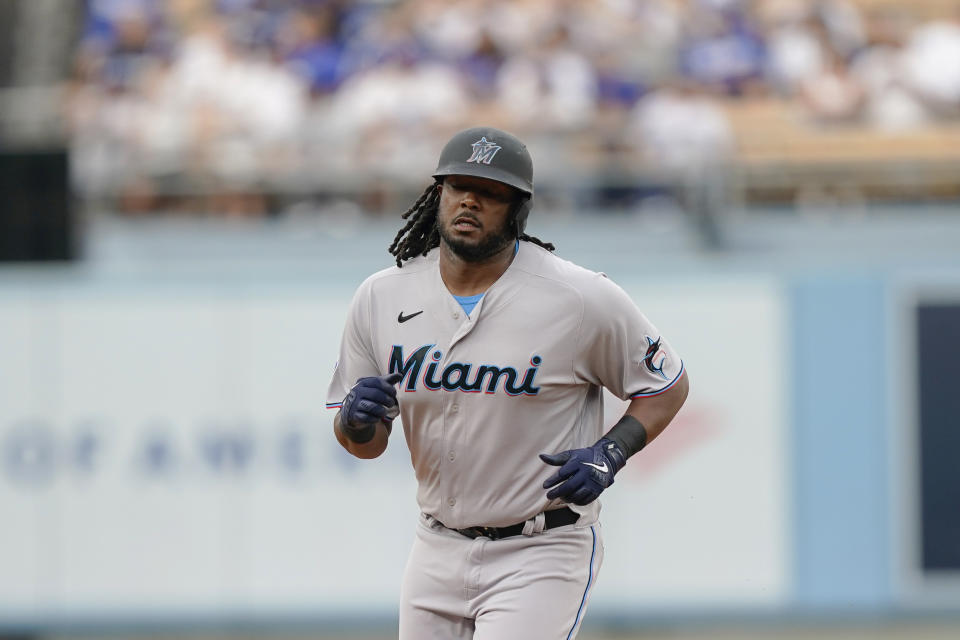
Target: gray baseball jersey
[483, 394]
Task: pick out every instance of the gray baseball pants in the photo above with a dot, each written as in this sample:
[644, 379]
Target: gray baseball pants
[517, 588]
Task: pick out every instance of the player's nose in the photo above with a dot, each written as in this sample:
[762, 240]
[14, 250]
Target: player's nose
[470, 200]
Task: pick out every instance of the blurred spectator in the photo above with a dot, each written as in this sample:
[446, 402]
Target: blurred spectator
[795, 40]
[122, 40]
[932, 64]
[722, 48]
[480, 68]
[879, 69]
[552, 86]
[680, 128]
[395, 96]
[517, 25]
[183, 104]
[843, 26]
[833, 95]
[307, 40]
[383, 38]
[453, 30]
[649, 43]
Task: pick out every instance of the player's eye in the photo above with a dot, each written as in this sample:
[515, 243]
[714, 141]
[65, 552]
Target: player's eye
[498, 197]
[480, 192]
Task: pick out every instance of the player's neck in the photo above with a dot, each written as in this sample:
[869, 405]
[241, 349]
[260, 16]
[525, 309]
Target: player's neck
[465, 278]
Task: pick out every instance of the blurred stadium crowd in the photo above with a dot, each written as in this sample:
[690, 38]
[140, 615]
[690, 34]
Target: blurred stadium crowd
[247, 107]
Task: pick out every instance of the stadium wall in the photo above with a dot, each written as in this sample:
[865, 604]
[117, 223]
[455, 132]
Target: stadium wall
[165, 458]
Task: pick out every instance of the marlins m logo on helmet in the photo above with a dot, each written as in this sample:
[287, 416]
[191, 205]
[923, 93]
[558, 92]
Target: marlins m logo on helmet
[483, 151]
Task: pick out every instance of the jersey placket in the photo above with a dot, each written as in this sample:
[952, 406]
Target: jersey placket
[453, 420]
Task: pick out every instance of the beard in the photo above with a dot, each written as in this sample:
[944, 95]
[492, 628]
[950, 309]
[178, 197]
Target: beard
[487, 247]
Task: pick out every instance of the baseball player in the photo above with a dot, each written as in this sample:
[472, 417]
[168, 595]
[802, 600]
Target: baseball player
[494, 353]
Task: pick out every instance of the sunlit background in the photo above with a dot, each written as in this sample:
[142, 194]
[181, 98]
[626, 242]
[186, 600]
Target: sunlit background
[191, 190]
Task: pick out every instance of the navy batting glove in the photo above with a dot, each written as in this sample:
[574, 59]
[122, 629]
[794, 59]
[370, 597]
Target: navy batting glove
[583, 473]
[369, 402]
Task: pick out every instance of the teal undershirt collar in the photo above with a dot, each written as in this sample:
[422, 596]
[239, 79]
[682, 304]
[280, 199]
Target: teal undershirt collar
[469, 302]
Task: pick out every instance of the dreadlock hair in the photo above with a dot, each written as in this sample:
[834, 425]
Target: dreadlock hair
[421, 229]
[420, 234]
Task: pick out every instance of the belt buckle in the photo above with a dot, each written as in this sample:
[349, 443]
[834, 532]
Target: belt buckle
[489, 532]
[477, 532]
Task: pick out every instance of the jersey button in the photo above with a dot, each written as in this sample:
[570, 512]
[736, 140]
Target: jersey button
[454, 408]
[452, 502]
[452, 455]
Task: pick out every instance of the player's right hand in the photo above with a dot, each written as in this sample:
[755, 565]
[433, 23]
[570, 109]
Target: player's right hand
[369, 401]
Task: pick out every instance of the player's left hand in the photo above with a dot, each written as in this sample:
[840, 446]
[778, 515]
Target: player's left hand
[584, 473]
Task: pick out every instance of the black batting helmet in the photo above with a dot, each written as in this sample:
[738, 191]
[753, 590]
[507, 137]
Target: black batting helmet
[486, 152]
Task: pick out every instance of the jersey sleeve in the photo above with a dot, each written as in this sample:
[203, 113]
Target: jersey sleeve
[356, 358]
[619, 348]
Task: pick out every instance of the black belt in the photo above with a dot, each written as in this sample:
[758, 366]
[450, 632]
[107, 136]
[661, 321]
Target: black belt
[552, 519]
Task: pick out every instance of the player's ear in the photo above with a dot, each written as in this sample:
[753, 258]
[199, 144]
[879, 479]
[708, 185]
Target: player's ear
[520, 213]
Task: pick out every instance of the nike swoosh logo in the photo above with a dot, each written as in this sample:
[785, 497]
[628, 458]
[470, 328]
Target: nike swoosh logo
[403, 318]
[601, 468]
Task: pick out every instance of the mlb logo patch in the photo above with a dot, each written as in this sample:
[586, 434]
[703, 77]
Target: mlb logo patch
[483, 151]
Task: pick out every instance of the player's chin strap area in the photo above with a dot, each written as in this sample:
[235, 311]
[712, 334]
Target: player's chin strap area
[535, 525]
